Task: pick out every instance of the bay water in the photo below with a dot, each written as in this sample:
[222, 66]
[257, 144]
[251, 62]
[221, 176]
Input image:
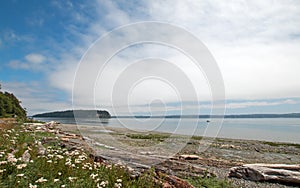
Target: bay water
[264, 129]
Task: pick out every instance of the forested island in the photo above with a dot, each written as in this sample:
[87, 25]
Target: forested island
[78, 113]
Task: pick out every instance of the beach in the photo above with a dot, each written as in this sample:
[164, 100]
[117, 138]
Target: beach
[198, 155]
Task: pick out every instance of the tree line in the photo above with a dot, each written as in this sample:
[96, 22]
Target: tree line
[10, 106]
[77, 113]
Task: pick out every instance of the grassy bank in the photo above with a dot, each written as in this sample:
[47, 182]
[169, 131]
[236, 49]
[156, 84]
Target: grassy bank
[25, 161]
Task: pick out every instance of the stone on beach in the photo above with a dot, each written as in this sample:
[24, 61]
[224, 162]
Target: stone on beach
[281, 173]
[190, 157]
[173, 181]
[41, 149]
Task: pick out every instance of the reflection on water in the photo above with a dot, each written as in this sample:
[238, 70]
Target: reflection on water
[269, 129]
[104, 121]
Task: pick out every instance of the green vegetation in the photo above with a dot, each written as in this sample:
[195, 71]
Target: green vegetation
[10, 106]
[197, 137]
[78, 113]
[57, 166]
[210, 182]
[159, 137]
[276, 144]
[31, 120]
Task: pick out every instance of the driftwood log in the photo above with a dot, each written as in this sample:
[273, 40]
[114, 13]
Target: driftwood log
[281, 173]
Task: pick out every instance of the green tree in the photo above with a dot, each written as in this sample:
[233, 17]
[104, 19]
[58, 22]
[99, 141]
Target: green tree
[10, 106]
[2, 109]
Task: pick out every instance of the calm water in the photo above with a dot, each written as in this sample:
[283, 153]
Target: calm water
[268, 129]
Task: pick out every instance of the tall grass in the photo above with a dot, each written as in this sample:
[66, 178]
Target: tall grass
[57, 167]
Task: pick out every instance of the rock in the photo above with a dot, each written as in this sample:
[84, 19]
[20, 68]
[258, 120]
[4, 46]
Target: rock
[166, 185]
[26, 156]
[69, 135]
[41, 149]
[97, 158]
[50, 125]
[229, 146]
[104, 146]
[146, 153]
[173, 181]
[133, 173]
[64, 139]
[38, 128]
[53, 131]
[87, 138]
[190, 157]
[281, 173]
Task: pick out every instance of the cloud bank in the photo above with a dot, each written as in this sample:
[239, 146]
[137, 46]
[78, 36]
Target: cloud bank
[256, 45]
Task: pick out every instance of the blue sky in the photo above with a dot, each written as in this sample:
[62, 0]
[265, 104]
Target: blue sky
[255, 44]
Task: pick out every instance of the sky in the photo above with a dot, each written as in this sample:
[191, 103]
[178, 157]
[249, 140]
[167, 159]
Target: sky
[45, 47]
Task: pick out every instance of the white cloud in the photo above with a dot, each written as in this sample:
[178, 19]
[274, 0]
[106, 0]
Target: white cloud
[253, 42]
[35, 58]
[260, 103]
[260, 71]
[32, 61]
[256, 45]
[229, 105]
[230, 21]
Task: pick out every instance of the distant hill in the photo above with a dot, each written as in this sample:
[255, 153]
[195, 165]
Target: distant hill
[290, 115]
[78, 113]
[10, 106]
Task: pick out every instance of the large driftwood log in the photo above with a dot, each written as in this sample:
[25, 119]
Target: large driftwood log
[282, 173]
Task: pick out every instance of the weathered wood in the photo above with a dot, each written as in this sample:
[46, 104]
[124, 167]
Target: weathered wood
[281, 173]
[190, 157]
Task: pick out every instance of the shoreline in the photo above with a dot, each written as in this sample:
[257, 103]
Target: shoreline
[261, 130]
[186, 135]
[217, 159]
